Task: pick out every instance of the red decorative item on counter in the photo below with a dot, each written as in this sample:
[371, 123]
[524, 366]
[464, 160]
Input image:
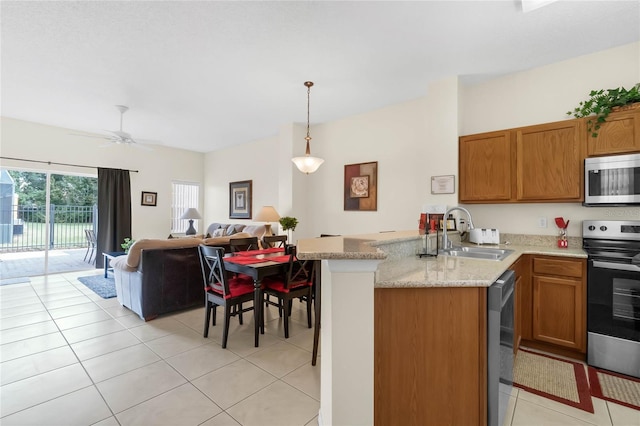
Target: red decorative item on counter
[562, 239]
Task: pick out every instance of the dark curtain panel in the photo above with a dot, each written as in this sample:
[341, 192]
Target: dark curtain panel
[114, 211]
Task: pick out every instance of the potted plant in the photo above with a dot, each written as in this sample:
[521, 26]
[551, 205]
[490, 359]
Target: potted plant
[128, 242]
[602, 102]
[288, 225]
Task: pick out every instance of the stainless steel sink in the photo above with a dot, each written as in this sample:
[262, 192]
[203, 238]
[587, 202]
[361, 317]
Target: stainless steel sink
[486, 253]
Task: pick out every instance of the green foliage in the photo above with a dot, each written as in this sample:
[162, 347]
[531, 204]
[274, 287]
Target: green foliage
[600, 104]
[288, 223]
[65, 191]
[128, 242]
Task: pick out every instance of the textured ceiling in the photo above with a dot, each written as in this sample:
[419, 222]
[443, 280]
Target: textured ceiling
[210, 74]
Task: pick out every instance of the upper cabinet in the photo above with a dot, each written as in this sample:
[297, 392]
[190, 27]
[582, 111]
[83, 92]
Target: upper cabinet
[550, 162]
[619, 134]
[542, 163]
[486, 167]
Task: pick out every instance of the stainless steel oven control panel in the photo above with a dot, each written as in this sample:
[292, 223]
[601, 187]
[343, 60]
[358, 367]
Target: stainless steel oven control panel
[611, 229]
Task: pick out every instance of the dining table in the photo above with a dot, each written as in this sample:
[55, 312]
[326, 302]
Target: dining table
[257, 264]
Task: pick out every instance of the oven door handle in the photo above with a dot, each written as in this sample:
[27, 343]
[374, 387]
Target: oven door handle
[616, 266]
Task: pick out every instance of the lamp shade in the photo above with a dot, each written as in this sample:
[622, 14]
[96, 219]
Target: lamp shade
[191, 213]
[307, 164]
[267, 214]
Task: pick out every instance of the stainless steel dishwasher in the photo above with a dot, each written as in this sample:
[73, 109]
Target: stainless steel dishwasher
[500, 313]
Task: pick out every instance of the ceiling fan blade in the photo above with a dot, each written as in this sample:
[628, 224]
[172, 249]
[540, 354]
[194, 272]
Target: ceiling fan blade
[90, 136]
[119, 133]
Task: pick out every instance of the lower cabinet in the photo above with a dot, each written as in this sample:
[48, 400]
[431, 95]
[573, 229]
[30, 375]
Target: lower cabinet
[430, 356]
[553, 306]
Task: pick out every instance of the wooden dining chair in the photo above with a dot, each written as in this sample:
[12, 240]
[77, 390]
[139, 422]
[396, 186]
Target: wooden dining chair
[296, 283]
[220, 290]
[269, 241]
[243, 244]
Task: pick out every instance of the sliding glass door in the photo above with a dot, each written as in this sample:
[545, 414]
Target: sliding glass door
[43, 222]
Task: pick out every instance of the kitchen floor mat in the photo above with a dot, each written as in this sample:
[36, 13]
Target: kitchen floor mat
[623, 390]
[554, 378]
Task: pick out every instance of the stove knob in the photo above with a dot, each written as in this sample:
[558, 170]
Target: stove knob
[592, 228]
[603, 228]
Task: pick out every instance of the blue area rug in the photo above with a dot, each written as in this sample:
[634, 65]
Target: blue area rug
[18, 280]
[103, 287]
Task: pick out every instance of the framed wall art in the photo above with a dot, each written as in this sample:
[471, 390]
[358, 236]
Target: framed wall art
[149, 198]
[240, 199]
[361, 186]
[443, 184]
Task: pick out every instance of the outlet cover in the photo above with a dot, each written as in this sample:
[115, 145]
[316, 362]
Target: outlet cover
[542, 222]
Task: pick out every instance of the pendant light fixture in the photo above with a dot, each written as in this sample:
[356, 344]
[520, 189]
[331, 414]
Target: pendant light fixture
[308, 164]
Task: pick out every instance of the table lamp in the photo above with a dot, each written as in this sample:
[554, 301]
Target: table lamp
[191, 214]
[267, 214]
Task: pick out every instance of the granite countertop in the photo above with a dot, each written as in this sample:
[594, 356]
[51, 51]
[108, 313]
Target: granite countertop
[408, 270]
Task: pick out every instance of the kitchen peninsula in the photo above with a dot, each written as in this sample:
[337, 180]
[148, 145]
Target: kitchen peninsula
[403, 337]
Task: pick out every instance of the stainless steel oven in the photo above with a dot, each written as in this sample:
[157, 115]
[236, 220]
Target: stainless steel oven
[612, 180]
[613, 295]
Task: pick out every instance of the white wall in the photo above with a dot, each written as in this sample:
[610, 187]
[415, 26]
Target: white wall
[411, 142]
[415, 140]
[255, 161]
[156, 168]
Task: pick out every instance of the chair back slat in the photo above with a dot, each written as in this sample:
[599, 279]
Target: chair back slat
[299, 272]
[274, 241]
[214, 273]
[243, 244]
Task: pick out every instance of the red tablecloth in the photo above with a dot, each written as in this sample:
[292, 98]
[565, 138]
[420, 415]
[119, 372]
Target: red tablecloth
[245, 260]
[257, 252]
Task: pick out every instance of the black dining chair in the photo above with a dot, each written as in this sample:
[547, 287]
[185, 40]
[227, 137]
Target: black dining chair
[220, 290]
[296, 283]
[243, 244]
[269, 241]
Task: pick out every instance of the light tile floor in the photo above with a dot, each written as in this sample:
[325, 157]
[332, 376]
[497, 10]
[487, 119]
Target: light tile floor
[72, 358]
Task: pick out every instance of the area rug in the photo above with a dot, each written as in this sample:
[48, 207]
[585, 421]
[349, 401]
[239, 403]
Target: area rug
[623, 390]
[103, 287]
[17, 280]
[554, 378]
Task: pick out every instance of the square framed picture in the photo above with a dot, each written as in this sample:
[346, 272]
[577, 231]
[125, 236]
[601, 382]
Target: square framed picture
[361, 186]
[149, 198]
[240, 199]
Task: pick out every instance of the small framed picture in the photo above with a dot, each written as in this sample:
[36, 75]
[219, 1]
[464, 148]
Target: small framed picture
[443, 184]
[149, 198]
[240, 199]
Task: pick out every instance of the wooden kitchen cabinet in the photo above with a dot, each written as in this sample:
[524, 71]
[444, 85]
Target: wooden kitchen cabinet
[430, 356]
[486, 167]
[558, 303]
[619, 134]
[523, 304]
[550, 162]
[542, 163]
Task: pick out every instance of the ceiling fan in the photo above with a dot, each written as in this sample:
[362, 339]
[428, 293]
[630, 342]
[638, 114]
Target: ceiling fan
[121, 137]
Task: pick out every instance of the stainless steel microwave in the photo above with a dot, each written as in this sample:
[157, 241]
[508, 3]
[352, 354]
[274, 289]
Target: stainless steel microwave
[612, 180]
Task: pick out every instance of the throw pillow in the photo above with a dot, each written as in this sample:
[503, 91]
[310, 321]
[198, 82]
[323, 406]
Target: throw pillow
[218, 232]
[231, 229]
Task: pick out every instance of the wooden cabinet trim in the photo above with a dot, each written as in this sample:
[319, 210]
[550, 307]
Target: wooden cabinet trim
[558, 266]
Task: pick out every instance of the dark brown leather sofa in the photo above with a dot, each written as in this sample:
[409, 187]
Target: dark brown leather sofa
[159, 276]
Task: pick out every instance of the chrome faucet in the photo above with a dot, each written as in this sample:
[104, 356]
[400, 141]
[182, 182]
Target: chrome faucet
[446, 244]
